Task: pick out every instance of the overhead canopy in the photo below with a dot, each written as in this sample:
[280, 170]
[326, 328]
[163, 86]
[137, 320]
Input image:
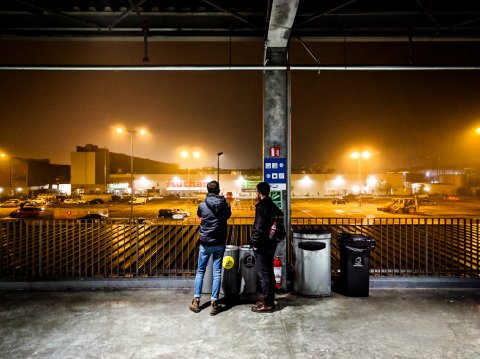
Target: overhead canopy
[210, 19]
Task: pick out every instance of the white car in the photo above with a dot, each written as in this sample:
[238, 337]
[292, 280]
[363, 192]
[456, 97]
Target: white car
[11, 203]
[139, 200]
[180, 214]
[71, 201]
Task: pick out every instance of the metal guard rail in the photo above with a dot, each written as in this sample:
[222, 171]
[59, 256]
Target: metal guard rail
[69, 249]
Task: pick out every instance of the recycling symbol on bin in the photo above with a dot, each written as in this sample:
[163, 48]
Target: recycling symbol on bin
[358, 262]
[228, 262]
[249, 261]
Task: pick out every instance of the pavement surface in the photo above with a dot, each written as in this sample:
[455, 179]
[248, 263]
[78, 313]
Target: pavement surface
[156, 323]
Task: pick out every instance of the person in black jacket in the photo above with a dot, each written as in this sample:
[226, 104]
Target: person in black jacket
[214, 213]
[264, 246]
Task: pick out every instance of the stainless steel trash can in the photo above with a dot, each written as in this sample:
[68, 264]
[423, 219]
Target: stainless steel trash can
[248, 271]
[230, 271]
[312, 251]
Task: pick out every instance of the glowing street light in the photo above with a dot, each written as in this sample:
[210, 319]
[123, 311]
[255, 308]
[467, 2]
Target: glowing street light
[218, 167]
[478, 130]
[120, 131]
[185, 154]
[357, 155]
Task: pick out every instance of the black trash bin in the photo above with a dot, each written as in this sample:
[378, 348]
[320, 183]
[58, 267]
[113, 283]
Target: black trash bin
[355, 264]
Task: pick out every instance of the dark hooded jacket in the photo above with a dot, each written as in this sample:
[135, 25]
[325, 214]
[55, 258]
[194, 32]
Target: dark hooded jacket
[214, 213]
[265, 213]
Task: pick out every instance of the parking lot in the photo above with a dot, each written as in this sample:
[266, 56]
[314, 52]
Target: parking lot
[301, 208]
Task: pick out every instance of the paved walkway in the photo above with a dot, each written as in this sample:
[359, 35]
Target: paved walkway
[156, 323]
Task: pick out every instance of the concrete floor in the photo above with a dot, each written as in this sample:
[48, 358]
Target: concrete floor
[156, 323]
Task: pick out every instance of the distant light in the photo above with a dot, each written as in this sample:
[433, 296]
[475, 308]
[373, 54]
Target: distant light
[339, 181]
[19, 189]
[184, 154]
[196, 154]
[306, 180]
[372, 181]
[364, 154]
[142, 132]
[1, 190]
[240, 181]
[120, 130]
[143, 181]
[356, 189]
[478, 130]
[2, 155]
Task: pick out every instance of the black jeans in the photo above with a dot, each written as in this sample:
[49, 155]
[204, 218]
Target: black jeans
[266, 274]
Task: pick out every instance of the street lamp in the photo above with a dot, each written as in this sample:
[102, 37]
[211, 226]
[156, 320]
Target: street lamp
[142, 132]
[186, 154]
[218, 167]
[357, 155]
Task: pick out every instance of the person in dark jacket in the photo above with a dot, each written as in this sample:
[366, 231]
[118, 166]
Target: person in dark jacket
[214, 213]
[264, 246]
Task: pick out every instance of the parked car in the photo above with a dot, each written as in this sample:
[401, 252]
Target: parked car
[340, 201]
[27, 212]
[70, 201]
[11, 203]
[139, 200]
[93, 217]
[96, 201]
[33, 204]
[174, 213]
[171, 196]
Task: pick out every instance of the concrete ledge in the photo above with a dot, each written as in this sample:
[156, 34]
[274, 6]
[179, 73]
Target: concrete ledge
[423, 282]
[101, 284]
[183, 282]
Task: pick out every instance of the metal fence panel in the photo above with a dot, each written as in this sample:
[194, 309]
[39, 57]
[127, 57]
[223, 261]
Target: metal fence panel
[63, 249]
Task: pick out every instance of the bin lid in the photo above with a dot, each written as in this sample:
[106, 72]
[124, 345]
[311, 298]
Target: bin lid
[356, 240]
[312, 235]
[311, 245]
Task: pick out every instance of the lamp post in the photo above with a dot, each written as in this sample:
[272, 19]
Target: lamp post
[185, 154]
[359, 156]
[218, 167]
[121, 130]
[8, 169]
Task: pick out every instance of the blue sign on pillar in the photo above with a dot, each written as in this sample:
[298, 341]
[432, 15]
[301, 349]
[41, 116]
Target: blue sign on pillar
[275, 173]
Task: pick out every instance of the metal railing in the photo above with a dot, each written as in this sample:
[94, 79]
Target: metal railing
[60, 249]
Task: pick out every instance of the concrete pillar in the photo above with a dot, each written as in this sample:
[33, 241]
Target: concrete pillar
[276, 139]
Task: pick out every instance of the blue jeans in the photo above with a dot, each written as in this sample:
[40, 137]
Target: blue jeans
[203, 256]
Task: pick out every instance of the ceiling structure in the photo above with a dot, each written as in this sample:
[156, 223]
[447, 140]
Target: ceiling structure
[325, 20]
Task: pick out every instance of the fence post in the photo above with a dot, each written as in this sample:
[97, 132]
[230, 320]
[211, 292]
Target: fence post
[40, 250]
[426, 246]
[136, 247]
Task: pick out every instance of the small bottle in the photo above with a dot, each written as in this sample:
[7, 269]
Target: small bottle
[273, 229]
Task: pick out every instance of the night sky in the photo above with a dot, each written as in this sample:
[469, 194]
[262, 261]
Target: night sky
[404, 118]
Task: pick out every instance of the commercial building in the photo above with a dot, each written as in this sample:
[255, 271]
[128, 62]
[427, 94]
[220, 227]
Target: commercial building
[26, 176]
